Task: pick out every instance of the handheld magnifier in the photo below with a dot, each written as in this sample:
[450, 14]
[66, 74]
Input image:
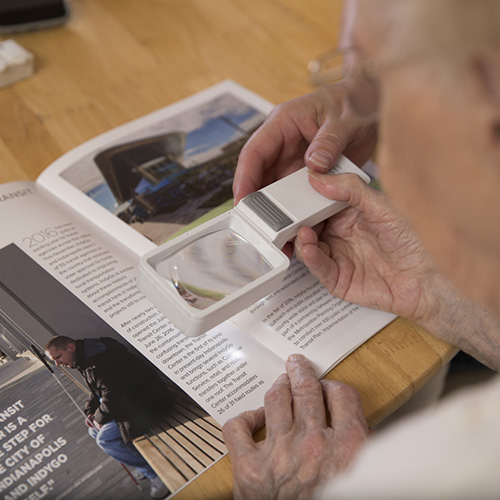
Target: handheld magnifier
[206, 275]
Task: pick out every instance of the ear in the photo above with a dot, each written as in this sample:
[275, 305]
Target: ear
[71, 347]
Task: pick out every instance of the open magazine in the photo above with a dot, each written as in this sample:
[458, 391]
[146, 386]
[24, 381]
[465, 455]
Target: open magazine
[89, 217]
[71, 243]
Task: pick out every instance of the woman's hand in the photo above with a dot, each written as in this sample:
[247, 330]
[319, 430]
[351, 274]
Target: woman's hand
[367, 254]
[302, 447]
[297, 133]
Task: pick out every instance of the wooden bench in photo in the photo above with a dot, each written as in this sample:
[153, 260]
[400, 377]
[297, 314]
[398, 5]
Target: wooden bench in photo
[184, 443]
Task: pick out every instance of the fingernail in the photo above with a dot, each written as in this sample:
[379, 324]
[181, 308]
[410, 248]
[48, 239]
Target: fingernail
[321, 158]
[319, 177]
[294, 358]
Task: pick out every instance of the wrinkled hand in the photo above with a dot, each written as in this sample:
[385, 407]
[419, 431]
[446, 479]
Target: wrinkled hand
[301, 449]
[367, 254]
[297, 133]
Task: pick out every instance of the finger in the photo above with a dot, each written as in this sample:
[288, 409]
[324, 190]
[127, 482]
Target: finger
[278, 407]
[347, 421]
[308, 404]
[305, 236]
[238, 432]
[350, 188]
[316, 256]
[327, 145]
[344, 187]
[255, 158]
[345, 407]
[310, 236]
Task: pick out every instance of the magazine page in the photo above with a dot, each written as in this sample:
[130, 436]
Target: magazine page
[303, 317]
[164, 173]
[57, 277]
[45, 253]
[144, 181]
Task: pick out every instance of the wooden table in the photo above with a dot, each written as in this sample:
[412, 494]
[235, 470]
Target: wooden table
[117, 60]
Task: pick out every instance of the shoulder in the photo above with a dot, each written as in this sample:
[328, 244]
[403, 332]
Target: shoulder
[448, 451]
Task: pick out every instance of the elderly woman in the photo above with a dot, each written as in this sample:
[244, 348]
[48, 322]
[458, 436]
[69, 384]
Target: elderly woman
[423, 84]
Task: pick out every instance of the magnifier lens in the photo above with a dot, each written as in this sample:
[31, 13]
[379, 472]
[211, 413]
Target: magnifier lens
[212, 267]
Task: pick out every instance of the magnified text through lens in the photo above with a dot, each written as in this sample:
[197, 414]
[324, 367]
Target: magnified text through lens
[212, 267]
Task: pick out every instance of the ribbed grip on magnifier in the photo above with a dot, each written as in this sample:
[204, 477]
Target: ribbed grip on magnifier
[275, 218]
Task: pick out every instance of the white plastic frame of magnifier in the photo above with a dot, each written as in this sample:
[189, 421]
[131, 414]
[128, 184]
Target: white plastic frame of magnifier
[267, 219]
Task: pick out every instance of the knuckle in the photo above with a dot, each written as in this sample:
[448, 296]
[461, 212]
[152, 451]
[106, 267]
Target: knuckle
[279, 112]
[349, 392]
[331, 140]
[234, 425]
[249, 470]
[316, 441]
[341, 392]
[278, 392]
[229, 427]
[247, 149]
[307, 387]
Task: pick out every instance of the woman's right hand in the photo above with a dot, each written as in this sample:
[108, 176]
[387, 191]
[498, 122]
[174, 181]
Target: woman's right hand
[297, 133]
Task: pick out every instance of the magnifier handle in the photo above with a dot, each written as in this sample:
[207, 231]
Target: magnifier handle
[281, 208]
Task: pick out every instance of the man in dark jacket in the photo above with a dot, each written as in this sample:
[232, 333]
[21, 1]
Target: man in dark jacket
[126, 396]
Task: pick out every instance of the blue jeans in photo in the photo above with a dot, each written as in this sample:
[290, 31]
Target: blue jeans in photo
[110, 440]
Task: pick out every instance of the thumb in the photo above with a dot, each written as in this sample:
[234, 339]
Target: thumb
[330, 140]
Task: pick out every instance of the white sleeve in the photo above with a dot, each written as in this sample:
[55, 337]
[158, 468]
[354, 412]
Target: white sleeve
[450, 451]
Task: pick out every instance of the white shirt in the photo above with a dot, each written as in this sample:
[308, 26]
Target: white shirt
[450, 451]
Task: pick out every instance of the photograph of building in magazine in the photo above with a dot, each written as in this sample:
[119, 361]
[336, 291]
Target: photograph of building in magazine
[160, 183]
